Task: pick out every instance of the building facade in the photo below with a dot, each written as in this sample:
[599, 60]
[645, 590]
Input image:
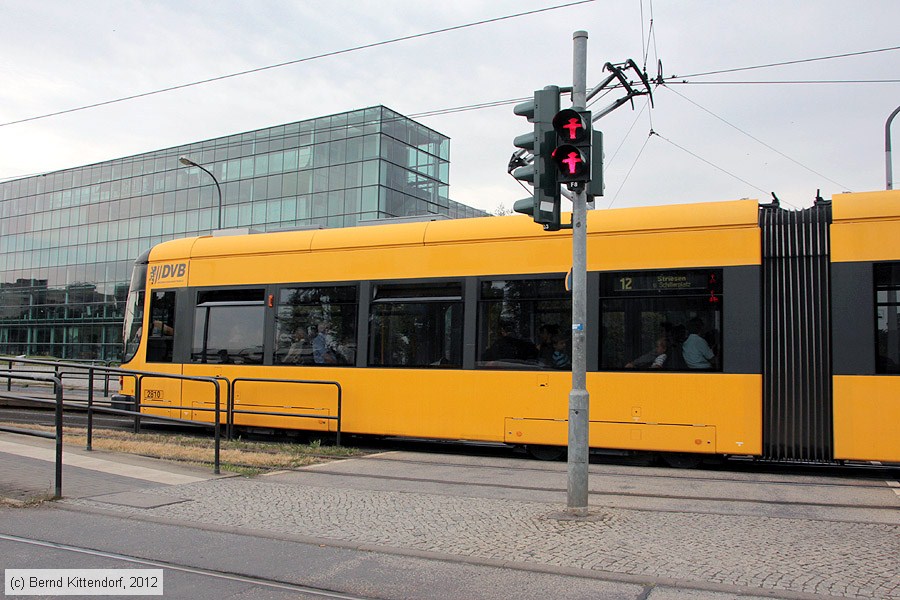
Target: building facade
[68, 238]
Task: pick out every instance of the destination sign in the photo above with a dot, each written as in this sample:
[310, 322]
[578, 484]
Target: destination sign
[664, 282]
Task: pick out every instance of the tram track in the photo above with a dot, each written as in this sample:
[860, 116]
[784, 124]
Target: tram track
[71, 420]
[867, 476]
[620, 493]
[77, 417]
[732, 473]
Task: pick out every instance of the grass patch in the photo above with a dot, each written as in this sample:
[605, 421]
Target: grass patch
[238, 456]
[27, 502]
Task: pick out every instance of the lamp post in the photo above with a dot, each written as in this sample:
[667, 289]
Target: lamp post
[189, 163]
[888, 170]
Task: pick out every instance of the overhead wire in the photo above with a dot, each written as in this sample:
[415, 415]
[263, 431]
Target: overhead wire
[298, 61]
[715, 166]
[783, 82]
[179, 149]
[645, 42]
[465, 108]
[652, 35]
[788, 62]
[663, 83]
[653, 132]
[625, 137]
[628, 174]
[756, 139]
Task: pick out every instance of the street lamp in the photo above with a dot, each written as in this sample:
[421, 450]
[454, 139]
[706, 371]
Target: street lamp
[189, 163]
[888, 170]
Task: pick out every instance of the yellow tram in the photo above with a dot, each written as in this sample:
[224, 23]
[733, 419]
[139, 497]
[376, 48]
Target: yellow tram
[723, 328]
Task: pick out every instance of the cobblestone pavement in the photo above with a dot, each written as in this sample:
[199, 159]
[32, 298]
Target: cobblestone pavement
[827, 558]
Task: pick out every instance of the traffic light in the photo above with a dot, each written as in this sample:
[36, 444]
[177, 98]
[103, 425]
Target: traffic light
[595, 185]
[543, 206]
[572, 154]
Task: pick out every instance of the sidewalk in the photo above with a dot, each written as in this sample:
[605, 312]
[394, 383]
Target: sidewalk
[717, 555]
[27, 471]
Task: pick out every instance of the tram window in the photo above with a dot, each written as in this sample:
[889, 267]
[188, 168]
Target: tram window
[134, 323]
[887, 310]
[416, 325]
[316, 325]
[522, 323]
[161, 339]
[228, 327]
[668, 320]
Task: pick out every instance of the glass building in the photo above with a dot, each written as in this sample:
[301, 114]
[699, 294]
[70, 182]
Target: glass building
[68, 238]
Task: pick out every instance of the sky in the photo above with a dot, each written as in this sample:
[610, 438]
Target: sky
[707, 138]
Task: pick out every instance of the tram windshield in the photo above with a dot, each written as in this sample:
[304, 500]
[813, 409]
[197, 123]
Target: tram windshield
[134, 308]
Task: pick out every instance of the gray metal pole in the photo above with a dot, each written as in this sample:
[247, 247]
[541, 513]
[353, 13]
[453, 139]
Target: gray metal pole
[577, 497]
[888, 169]
[58, 392]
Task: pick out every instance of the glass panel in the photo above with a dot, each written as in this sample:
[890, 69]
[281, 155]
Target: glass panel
[523, 324]
[288, 209]
[887, 313]
[228, 327]
[259, 214]
[161, 338]
[416, 326]
[246, 167]
[316, 326]
[354, 149]
[260, 188]
[276, 162]
[370, 173]
[661, 319]
[134, 311]
[262, 165]
[289, 185]
[291, 160]
[228, 334]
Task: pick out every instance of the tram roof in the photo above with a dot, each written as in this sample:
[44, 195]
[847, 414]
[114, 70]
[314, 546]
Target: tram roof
[706, 215]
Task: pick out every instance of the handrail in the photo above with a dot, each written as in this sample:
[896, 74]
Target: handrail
[232, 393]
[57, 364]
[57, 386]
[139, 377]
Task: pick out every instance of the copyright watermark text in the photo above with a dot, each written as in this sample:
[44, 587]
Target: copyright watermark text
[83, 582]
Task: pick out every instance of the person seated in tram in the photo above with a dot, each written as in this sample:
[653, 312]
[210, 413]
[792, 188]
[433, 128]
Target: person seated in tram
[300, 350]
[696, 351]
[510, 348]
[655, 359]
[561, 357]
[547, 333]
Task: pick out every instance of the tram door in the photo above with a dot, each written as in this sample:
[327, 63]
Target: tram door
[162, 395]
[796, 284]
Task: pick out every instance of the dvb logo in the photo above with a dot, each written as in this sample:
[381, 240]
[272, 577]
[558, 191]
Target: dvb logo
[170, 272]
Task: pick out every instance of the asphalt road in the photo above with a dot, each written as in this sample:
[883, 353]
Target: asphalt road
[454, 526]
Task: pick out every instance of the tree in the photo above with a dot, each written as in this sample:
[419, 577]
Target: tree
[500, 211]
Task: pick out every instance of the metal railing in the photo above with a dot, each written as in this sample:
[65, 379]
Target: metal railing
[91, 405]
[58, 365]
[139, 376]
[90, 371]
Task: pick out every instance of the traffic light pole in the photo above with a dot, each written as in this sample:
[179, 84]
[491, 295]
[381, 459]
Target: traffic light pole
[579, 399]
[575, 160]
